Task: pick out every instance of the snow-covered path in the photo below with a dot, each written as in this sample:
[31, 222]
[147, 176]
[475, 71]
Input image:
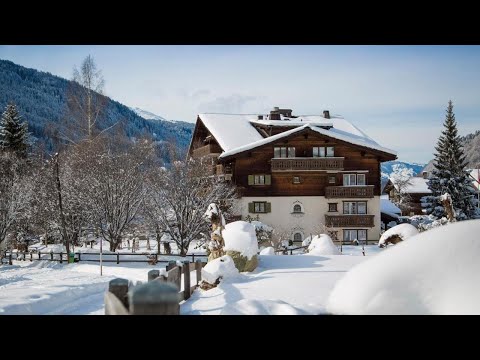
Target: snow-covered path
[301, 281]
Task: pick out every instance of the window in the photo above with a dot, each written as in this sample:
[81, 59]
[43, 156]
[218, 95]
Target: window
[354, 179]
[296, 179]
[259, 207]
[298, 237]
[352, 235]
[354, 207]
[283, 152]
[322, 151]
[297, 208]
[332, 207]
[331, 179]
[259, 180]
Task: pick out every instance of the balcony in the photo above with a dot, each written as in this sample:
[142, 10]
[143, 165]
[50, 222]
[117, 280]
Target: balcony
[332, 192]
[354, 220]
[307, 164]
[210, 149]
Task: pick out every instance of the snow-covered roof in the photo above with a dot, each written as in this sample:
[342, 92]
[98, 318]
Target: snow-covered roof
[235, 132]
[231, 130]
[387, 207]
[475, 173]
[416, 185]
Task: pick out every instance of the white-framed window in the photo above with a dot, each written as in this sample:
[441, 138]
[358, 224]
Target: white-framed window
[354, 234]
[297, 208]
[354, 179]
[354, 207]
[259, 179]
[323, 151]
[298, 237]
[283, 151]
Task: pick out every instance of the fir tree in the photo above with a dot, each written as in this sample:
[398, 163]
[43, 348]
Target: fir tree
[13, 132]
[450, 175]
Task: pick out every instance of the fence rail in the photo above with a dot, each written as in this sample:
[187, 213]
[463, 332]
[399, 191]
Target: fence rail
[61, 257]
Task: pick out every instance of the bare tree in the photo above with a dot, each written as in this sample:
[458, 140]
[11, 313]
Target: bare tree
[15, 191]
[178, 198]
[401, 181]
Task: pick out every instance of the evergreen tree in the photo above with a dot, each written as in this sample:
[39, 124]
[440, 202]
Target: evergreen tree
[450, 175]
[13, 132]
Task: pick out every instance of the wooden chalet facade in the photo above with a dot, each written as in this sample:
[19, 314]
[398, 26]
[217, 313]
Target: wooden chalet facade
[297, 172]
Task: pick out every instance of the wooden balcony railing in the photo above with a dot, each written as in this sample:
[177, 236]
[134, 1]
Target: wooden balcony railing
[210, 149]
[356, 220]
[349, 191]
[307, 164]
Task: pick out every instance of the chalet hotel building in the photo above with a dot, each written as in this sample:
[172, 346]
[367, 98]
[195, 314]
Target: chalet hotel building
[297, 172]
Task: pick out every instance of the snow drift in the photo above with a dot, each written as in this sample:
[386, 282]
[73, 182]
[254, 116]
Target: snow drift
[260, 307]
[240, 236]
[435, 274]
[322, 245]
[268, 251]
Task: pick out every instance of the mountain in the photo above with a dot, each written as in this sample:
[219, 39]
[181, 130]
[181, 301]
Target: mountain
[390, 167]
[471, 147]
[148, 115]
[41, 99]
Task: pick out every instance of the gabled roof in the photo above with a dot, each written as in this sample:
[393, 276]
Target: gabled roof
[416, 185]
[236, 133]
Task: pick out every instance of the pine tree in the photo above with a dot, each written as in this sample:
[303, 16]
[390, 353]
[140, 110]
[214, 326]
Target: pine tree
[450, 175]
[13, 132]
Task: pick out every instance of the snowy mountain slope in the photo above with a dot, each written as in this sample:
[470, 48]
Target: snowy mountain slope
[390, 167]
[148, 115]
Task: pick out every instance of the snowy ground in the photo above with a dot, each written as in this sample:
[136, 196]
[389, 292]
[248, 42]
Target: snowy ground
[43, 287]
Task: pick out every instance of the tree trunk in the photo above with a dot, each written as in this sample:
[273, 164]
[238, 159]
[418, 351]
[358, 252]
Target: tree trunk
[62, 217]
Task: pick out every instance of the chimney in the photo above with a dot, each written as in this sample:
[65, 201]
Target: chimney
[326, 114]
[425, 174]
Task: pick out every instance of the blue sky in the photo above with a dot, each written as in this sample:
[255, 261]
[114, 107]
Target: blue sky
[396, 94]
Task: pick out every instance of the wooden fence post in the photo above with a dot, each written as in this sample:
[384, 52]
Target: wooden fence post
[171, 265]
[118, 258]
[10, 259]
[61, 257]
[154, 298]
[156, 258]
[31, 256]
[79, 256]
[39, 256]
[198, 268]
[51, 255]
[153, 274]
[119, 288]
[186, 280]
[193, 257]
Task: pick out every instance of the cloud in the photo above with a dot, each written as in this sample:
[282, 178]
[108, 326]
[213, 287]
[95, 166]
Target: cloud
[235, 103]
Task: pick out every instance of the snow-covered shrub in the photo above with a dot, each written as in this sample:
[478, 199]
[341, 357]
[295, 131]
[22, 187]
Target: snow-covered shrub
[322, 245]
[427, 222]
[268, 251]
[220, 268]
[435, 273]
[396, 234]
[241, 244]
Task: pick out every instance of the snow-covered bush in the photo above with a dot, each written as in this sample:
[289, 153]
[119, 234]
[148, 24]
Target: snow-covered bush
[322, 245]
[268, 251]
[397, 233]
[241, 244]
[435, 273]
[220, 268]
[427, 222]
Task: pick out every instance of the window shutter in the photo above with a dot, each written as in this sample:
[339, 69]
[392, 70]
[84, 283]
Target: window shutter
[251, 208]
[268, 207]
[250, 180]
[268, 179]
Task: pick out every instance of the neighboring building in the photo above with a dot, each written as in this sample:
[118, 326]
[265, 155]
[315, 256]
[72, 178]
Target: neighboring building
[416, 188]
[475, 175]
[297, 172]
[389, 212]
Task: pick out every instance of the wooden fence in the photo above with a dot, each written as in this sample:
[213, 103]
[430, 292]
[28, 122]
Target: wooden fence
[118, 258]
[161, 295]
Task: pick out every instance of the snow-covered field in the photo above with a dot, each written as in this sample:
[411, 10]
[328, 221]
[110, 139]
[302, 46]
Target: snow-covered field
[302, 282]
